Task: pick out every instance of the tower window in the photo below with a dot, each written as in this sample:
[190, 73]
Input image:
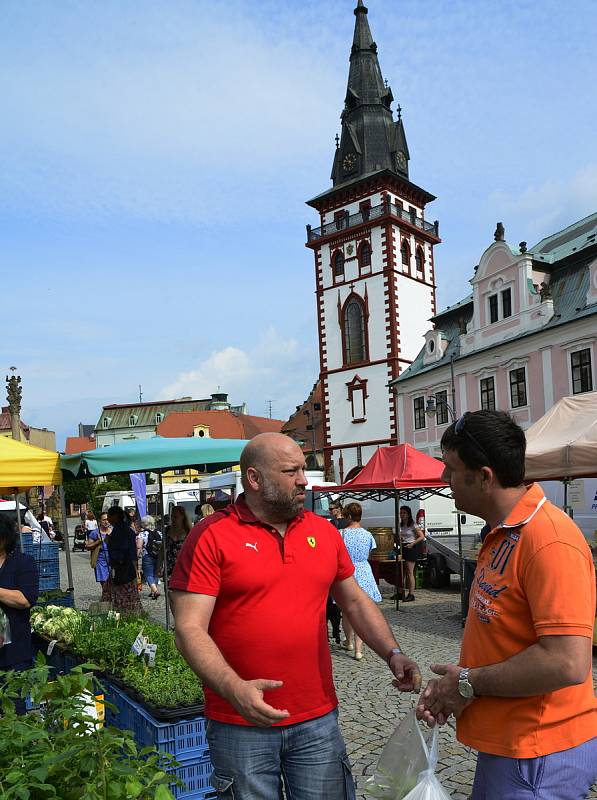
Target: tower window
[338, 265]
[493, 308]
[364, 255]
[405, 252]
[419, 260]
[355, 350]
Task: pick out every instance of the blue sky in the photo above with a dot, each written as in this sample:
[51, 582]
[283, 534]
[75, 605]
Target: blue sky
[156, 157]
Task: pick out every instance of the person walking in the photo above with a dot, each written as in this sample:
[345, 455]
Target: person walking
[97, 545]
[337, 519]
[120, 588]
[359, 543]
[151, 543]
[522, 692]
[411, 539]
[175, 534]
[249, 593]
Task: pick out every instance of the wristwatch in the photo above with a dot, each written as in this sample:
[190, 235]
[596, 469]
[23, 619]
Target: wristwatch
[465, 687]
[393, 652]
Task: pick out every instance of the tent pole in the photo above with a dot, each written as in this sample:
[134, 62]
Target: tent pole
[164, 559]
[18, 512]
[399, 564]
[69, 569]
[461, 562]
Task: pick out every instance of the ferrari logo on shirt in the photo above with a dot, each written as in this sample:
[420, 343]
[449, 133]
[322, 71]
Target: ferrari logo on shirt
[311, 540]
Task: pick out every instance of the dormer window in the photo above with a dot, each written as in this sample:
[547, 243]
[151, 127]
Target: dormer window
[106, 422]
[493, 308]
[132, 421]
[158, 417]
[507, 303]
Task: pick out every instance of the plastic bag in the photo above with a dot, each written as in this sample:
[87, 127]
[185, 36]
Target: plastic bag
[406, 767]
[4, 629]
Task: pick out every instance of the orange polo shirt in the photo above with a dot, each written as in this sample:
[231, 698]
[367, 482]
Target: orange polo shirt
[535, 577]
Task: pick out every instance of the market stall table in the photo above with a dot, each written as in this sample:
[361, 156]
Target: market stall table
[390, 569]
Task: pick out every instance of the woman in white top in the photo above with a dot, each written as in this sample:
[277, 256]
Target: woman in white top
[412, 539]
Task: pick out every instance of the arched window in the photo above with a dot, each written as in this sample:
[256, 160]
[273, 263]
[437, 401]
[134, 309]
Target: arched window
[158, 417]
[419, 259]
[338, 265]
[405, 251]
[355, 344]
[365, 255]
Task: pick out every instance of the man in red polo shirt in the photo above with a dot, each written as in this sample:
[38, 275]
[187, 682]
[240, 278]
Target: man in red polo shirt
[249, 591]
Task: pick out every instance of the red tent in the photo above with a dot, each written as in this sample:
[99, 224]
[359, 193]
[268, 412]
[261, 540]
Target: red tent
[398, 467]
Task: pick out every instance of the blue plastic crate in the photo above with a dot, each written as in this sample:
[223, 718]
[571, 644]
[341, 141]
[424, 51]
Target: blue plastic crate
[49, 582]
[41, 552]
[196, 776]
[66, 599]
[47, 568]
[184, 740]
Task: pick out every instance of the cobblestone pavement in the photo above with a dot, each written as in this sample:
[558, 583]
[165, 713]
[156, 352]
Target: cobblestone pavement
[429, 630]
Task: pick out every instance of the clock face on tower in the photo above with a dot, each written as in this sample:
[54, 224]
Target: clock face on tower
[401, 160]
[349, 162]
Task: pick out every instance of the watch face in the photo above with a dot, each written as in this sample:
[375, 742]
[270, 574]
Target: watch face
[349, 162]
[465, 689]
[401, 159]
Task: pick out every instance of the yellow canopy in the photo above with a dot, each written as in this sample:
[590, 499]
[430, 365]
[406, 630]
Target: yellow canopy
[24, 465]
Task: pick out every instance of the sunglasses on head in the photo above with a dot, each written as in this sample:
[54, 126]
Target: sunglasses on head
[459, 428]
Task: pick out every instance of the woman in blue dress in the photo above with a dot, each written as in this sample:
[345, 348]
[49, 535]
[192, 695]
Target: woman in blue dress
[97, 545]
[359, 543]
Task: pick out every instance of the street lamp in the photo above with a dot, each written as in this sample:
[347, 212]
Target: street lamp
[431, 407]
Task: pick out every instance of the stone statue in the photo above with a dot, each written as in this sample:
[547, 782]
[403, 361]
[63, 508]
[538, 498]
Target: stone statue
[499, 233]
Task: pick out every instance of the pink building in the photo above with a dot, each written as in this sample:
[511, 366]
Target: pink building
[525, 337]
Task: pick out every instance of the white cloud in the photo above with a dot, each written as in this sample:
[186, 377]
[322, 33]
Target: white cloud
[273, 369]
[544, 208]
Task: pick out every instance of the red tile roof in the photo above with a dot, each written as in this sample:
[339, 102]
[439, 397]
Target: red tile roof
[221, 424]
[5, 422]
[79, 444]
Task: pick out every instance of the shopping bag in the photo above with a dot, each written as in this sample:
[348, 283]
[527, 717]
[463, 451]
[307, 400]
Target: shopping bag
[5, 637]
[406, 767]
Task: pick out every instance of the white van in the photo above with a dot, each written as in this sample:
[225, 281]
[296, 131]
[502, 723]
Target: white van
[582, 499]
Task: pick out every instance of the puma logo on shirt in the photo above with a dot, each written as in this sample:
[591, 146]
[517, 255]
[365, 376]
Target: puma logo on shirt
[252, 546]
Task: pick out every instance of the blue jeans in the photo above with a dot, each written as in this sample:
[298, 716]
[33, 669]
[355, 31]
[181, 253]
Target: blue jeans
[148, 567]
[567, 775]
[309, 759]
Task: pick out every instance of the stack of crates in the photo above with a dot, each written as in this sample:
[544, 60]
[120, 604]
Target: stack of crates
[46, 558]
[185, 740]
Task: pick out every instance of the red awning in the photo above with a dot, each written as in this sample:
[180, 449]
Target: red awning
[398, 467]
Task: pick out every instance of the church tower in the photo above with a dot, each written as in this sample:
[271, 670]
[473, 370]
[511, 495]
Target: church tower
[374, 266]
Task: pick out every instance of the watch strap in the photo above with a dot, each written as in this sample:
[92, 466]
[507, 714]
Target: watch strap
[393, 652]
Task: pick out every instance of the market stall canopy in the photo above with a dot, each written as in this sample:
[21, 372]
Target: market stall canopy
[24, 465]
[563, 443]
[155, 455]
[399, 467]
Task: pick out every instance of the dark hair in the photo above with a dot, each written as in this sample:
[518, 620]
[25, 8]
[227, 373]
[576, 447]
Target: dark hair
[410, 521]
[353, 511]
[336, 504]
[116, 512]
[489, 439]
[8, 534]
[184, 519]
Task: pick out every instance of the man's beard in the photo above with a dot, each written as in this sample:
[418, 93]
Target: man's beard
[282, 506]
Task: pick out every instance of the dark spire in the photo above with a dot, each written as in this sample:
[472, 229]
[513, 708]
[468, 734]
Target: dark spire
[371, 141]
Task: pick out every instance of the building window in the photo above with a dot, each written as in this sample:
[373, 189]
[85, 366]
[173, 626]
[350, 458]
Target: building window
[340, 218]
[419, 412]
[132, 421]
[359, 456]
[487, 394]
[105, 422]
[582, 377]
[365, 209]
[419, 259]
[506, 303]
[441, 407]
[518, 388]
[158, 418]
[405, 251]
[357, 397]
[338, 265]
[355, 349]
[493, 308]
[364, 255]
[178, 472]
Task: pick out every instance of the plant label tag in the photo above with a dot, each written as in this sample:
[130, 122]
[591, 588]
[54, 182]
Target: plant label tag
[139, 644]
[150, 649]
[51, 646]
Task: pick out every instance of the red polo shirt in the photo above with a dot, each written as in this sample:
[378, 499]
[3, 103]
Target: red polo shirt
[269, 617]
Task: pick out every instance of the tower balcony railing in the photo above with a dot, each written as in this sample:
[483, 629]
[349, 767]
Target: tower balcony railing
[347, 221]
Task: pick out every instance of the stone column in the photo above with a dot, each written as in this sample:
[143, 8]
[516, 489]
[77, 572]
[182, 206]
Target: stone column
[13, 395]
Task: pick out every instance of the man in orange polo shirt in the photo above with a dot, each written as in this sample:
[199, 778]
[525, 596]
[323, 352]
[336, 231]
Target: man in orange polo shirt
[251, 585]
[522, 692]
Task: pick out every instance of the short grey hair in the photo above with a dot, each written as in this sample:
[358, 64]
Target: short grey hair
[148, 523]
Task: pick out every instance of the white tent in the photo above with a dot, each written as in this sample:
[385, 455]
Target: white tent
[563, 443]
